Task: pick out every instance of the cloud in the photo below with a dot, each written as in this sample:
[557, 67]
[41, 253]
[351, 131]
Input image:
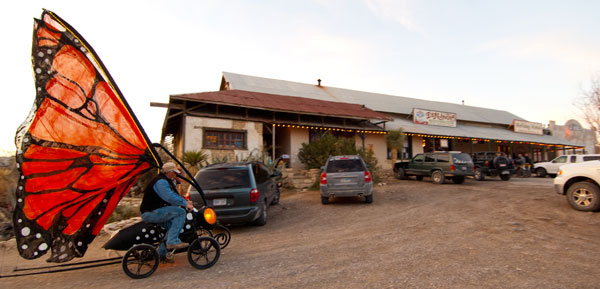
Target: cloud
[395, 10]
[561, 47]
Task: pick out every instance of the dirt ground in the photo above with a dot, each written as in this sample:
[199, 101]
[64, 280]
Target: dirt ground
[491, 234]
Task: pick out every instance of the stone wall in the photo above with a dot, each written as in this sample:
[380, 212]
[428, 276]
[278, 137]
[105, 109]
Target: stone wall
[300, 179]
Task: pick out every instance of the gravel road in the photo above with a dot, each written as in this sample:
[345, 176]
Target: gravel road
[491, 234]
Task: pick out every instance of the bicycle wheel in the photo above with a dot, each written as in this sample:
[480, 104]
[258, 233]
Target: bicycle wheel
[140, 261]
[204, 252]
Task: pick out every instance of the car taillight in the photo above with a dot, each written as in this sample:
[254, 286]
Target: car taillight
[368, 178]
[487, 163]
[452, 167]
[253, 195]
[323, 179]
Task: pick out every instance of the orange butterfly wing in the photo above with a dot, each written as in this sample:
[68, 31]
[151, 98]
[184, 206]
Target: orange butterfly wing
[80, 150]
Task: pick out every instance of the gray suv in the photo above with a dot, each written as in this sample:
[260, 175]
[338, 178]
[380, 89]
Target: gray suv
[346, 176]
[238, 192]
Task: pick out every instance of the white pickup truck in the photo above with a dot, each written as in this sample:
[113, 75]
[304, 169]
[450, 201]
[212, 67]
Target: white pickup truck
[551, 168]
[580, 183]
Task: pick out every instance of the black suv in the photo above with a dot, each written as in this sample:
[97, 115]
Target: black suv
[238, 192]
[438, 166]
[493, 164]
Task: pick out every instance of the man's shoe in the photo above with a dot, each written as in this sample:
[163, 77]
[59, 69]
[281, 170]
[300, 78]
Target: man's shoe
[181, 245]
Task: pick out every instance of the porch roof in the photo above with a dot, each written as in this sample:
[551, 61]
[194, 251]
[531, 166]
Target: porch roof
[285, 103]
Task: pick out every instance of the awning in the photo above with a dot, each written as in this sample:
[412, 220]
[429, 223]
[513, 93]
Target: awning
[477, 132]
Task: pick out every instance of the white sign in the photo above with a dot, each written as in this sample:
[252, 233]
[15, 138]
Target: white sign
[422, 116]
[528, 127]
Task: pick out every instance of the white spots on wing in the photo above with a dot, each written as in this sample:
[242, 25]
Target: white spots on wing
[189, 216]
[63, 256]
[63, 248]
[35, 253]
[146, 236]
[38, 70]
[137, 238]
[43, 247]
[26, 139]
[38, 235]
[99, 213]
[144, 230]
[188, 226]
[87, 225]
[151, 231]
[19, 199]
[105, 201]
[41, 54]
[25, 231]
[24, 247]
[79, 244]
[20, 221]
[49, 51]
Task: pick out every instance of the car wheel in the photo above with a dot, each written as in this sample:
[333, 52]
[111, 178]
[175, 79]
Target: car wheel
[479, 175]
[584, 196]
[277, 197]
[437, 177]
[369, 199]
[324, 200]
[505, 177]
[419, 178]
[540, 172]
[458, 180]
[401, 175]
[262, 219]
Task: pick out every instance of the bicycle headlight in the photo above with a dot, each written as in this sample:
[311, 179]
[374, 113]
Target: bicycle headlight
[209, 215]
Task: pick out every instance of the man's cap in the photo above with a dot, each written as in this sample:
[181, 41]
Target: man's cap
[170, 167]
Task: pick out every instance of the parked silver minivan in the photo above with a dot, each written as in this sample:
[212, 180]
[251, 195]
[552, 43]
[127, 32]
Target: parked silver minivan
[346, 176]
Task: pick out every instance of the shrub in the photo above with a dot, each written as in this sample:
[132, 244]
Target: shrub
[315, 154]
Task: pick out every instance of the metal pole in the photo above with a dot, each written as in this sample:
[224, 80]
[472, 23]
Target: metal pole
[273, 134]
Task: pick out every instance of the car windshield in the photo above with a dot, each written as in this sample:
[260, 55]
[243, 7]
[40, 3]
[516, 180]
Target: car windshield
[223, 179]
[342, 166]
[461, 158]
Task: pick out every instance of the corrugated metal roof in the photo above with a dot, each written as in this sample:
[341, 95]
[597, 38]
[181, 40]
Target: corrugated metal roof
[375, 101]
[285, 103]
[474, 132]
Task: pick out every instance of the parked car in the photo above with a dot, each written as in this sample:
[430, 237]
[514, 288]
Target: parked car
[346, 176]
[551, 168]
[238, 192]
[437, 165]
[493, 164]
[580, 182]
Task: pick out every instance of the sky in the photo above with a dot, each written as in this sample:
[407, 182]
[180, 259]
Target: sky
[531, 58]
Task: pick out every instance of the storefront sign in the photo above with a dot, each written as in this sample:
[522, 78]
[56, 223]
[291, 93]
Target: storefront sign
[528, 127]
[422, 116]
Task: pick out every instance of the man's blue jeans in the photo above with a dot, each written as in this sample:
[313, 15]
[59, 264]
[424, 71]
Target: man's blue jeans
[170, 217]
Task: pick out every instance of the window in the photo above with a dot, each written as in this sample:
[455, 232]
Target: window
[591, 158]
[561, 159]
[419, 158]
[345, 166]
[224, 139]
[223, 179]
[442, 158]
[261, 174]
[429, 159]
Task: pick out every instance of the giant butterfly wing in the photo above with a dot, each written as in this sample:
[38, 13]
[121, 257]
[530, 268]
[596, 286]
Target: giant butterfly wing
[79, 150]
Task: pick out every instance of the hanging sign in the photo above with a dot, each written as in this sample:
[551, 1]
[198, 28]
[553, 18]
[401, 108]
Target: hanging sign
[522, 126]
[429, 117]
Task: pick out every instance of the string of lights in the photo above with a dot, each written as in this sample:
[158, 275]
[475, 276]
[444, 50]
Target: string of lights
[560, 146]
[481, 140]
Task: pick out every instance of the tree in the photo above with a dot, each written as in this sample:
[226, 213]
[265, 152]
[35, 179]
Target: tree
[395, 141]
[194, 159]
[589, 104]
